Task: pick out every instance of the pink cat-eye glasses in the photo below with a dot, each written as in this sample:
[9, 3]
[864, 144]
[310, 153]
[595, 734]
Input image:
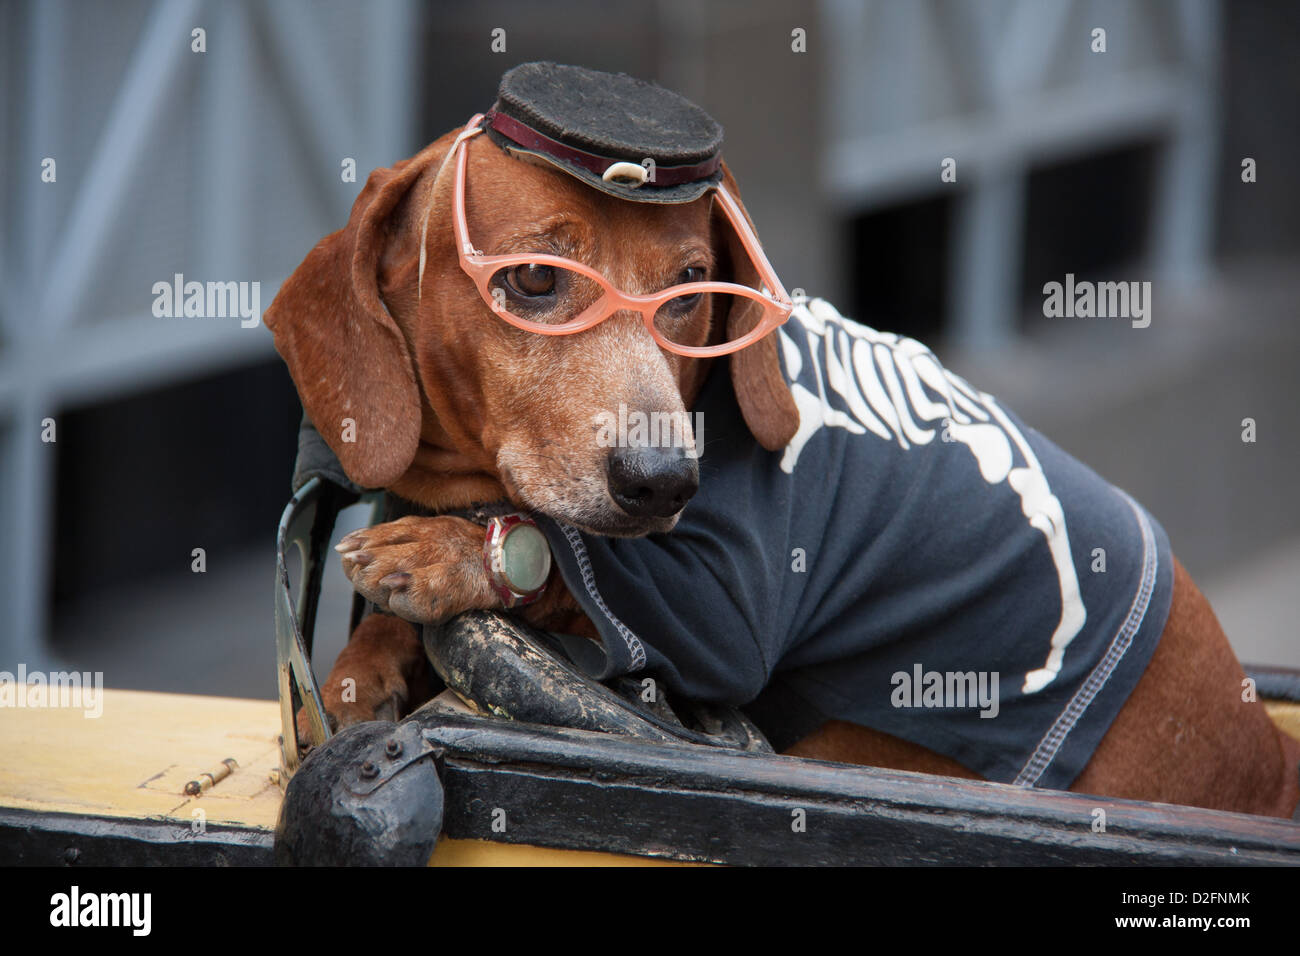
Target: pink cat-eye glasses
[560, 296]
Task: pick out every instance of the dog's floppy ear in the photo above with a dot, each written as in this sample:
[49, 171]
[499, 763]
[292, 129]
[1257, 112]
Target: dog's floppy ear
[347, 356]
[761, 390]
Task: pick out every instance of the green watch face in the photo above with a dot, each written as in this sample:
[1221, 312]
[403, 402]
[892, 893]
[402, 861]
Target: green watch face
[525, 558]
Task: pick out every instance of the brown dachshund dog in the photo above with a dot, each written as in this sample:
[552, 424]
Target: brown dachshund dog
[453, 406]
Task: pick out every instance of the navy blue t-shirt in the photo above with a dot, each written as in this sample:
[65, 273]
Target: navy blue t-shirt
[916, 560]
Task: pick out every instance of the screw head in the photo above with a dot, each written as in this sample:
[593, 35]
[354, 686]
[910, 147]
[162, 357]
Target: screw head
[393, 748]
[71, 855]
[369, 770]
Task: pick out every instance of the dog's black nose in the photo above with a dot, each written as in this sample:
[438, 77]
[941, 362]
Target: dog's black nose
[652, 482]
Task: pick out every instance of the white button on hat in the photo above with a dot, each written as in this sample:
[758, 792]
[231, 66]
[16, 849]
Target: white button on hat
[626, 174]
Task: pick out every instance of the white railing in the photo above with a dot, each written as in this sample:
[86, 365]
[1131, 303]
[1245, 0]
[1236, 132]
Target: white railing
[1003, 85]
[167, 160]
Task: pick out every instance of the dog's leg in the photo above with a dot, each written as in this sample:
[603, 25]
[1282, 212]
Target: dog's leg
[1186, 736]
[843, 742]
[424, 570]
[380, 675]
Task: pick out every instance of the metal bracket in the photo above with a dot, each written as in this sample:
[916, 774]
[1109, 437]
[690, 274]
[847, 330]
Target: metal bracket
[307, 522]
[403, 747]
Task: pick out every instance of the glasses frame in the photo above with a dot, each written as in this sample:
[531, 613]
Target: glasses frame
[776, 304]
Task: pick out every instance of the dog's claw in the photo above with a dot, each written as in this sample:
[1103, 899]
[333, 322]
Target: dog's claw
[350, 541]
[359, 558]
[397, 581]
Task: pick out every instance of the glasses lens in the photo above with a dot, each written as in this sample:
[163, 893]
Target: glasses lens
[707, 318]
[545, 295]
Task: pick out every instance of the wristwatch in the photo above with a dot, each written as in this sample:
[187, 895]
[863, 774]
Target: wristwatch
[517, 559]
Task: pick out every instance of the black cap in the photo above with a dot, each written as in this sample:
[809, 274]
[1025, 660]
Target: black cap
[623, 136]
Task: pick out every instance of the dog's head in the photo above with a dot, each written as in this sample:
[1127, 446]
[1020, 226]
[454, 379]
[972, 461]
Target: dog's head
[419, 387]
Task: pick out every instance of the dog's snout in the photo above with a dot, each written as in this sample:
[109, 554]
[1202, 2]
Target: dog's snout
[652, 482]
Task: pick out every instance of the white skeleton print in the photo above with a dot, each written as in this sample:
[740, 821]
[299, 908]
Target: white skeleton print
[883, 380]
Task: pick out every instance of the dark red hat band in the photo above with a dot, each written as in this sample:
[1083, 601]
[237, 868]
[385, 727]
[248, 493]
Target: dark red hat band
[529, 138]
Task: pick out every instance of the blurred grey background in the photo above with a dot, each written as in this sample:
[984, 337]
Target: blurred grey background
[176, 434]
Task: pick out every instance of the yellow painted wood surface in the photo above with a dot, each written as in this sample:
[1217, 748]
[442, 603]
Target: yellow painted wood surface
[486, 853]
[134, 760]
[1286, 715]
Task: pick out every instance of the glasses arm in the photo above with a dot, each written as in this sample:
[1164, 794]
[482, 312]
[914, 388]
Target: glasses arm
[752, 246]
[472, 128]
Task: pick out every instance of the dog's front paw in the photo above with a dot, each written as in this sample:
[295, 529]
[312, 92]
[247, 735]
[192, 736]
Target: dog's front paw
[422, 569]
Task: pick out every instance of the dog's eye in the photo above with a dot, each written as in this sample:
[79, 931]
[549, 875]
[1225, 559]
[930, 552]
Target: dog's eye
[531, 280]
[682, 304]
